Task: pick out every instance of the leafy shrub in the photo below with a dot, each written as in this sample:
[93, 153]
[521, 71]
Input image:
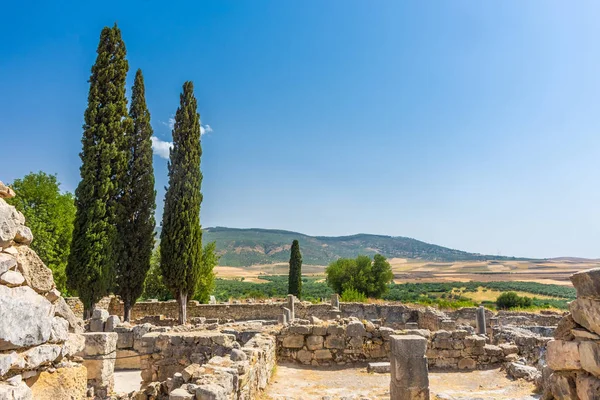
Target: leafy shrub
[510, 300]
[353, 295]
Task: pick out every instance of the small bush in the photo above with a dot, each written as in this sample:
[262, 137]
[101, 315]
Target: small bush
[352, 295]
[510, 300]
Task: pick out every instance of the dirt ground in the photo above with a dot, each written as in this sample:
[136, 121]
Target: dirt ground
[128, 381]
[308, 383]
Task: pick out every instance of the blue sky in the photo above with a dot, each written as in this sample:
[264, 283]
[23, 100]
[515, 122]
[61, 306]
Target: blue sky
[472, 125]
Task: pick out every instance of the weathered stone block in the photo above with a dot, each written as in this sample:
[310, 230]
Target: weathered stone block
[587, 283]
[75, 344]
[11, 278]
[40, 355]
[410, 377]
[293, 341]
[7, 262]
[586, 312]
[337, 330]
[125, 337]
[111, 323]
[335, 342]
[63, 383]
[300, 329]
[180, 394]
[63, 310]
[356, 328]
[36, 274]
[589, 354]
[563, 355]
[588, 387]
[562, 386]
[100, 343]
[508, 348]
[492, 350]
[60, 330]
[323, 354]
[19, 391]
[304, 356]
[408, 346]
[26, 318]
[314, 342]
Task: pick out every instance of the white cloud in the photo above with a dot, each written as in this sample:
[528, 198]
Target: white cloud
[205, 129]
[171, 123]
[161, 148]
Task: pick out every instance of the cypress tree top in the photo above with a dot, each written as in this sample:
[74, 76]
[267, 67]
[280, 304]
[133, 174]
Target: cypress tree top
[295, 275]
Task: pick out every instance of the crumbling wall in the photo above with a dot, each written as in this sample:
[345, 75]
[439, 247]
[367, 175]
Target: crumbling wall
[340, 342]
[39, 334]
[574, 354]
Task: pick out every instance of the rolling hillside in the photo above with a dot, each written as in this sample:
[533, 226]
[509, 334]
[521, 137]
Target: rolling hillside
[245, 247]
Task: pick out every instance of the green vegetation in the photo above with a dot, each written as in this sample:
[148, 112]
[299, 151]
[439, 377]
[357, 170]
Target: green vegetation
[295, 276]
[508, 300]
[137, 204]
[181, 235]
[441, 295]
[353, 295]
[367, 277]
[245, 247]
[154, 288]
[49, 214]
[91, 266]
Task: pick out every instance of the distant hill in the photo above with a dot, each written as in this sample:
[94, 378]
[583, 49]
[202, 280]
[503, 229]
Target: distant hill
[245, 247]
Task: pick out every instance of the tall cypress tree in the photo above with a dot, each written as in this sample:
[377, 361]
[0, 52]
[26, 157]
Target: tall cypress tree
[91, 266]
[295, 277]
[181, 235]
[136, 225]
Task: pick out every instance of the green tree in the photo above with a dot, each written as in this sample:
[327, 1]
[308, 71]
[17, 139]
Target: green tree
[510, 300]
[49, 214]
[181, 234]
[91, 266]
[363, 275]
[206, 284]
[295, 274]
[154, 288]
[136, 223]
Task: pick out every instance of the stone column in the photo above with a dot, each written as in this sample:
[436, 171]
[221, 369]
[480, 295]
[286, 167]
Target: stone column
[335, 301]
[481, 330]
[410, 376]
[287, 315]
[290, 301]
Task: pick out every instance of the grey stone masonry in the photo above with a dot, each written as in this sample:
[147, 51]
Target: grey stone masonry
[410, 376]
[335, 301]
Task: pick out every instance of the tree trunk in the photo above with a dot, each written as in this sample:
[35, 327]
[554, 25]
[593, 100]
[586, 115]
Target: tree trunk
[87, 311]
[182, 308]
[126, 312]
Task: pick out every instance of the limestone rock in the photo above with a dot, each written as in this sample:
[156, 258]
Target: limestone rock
[111, 323]
[128, 359]
[293, 342]
[563, 355]
[180, 394]
[26, 318]
[587, 283]
[12, 278]
[315, 342]
[588, 387]
[40, 355]
[24, 235]
[53, 295]
[356, 328]
[99, 343]
[211, 392]
[60, 330]
[192, 372]
[238, 355]
[18, 391]
[520, 371]
[6, 362]
[7, 262]
[63, 310]
[564, 327]
[36, 274]
[75, 343]
[6, 192]
[589, 353]
[11, 221]
[100, 313]
[64, 383]
[562, 386]
[586, 312]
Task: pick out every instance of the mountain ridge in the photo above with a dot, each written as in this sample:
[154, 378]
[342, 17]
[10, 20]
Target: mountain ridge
[242, 247]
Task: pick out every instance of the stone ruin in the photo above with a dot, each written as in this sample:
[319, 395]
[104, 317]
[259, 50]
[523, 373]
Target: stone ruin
[227, 352]
[40, 336]
[573, 370]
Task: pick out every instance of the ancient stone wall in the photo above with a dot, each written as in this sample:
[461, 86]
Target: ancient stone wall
[240, 374]
[338, 343]
[574, 355]
[39, 334]
[460, 350]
